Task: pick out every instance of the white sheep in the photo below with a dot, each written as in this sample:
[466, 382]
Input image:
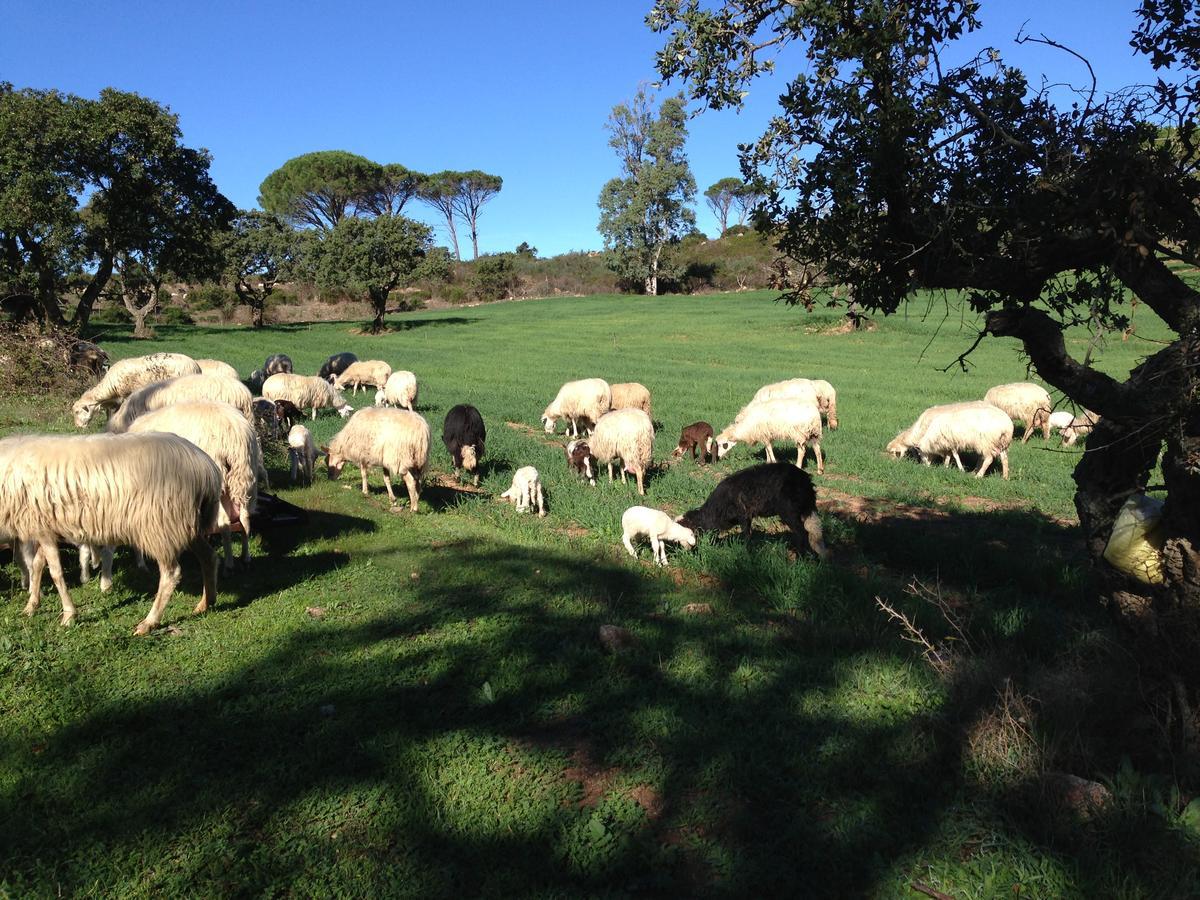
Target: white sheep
[217, 367]
[821, 392]
[1060, 419]
[400, 389]
[395, 439]
[945, 431]
[526, 491]
[639, 521]
[1078, 427]
[372, 372]
[583, 401]
[302, 453]
[224, 434]
[1023, 401]
[127, 375]
[626, 435]
[776, 420]
[157, 492]
[182, 389]
[631, 395]
[307, 392]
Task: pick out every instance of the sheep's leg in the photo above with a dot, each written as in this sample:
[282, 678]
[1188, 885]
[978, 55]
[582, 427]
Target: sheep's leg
[35, 564]
[628, 544]
[983, 467]
[925, 458]
[293, 466]
[168, 580]
[50, 550]
[770, 452]
[414, 494]
[623, 479]
[387, 483]
[1004, 464]
[106, 561]
[747, 528]
[246, 541]
[363, 470]
[820, 458]
[816, 536]
[227, 548]
[85, 563]
[957, 461]
[22, 558]
[660, 555]
[139, 558]
[1028, 433]
[208, 572]
[641, 487]
[800, 448]
[610, 475]
[541, 503]
[314, 414]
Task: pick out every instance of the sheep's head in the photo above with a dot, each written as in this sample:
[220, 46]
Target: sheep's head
[899, 445]
[685, 536]
[379, 400]
[469, 460]
[345, 410]
[334, 462]
[549, 422]
[724, 445]
[83, 411]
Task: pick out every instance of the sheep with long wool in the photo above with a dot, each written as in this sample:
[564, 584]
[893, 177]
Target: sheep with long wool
[217, 367]
[1025, 402]
[126, 376]
[631, 395]
[302, 453]
[658, 527]
[776, 420]
[394, 439]
[626, 435]
[581, 403]
[364, 373]
[526, 491]
[817, 390]
[224, 434]
[157, 492]
[946, 431]
[182, 389]
[400, 389]
[307, 392]
[1079, 426]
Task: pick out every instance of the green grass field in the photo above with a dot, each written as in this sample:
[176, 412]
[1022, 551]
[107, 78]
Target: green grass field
[451, 726]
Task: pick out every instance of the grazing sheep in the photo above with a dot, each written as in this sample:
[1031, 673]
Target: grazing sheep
[581, 460]
[216, 367]
[698, 435]
[395, 439]
[770, 489]
[578, 402]
[400, 389]
[821, 392]
[526, 491]
[277, 363]
[1060, 419]
[464, 434]
[157, 492]
[263, 411]
[1079, 426]
[126, 376]
[776, 420]
[1025, 402]
[306, 391]
[627, 435]
[225, 435]
[631, 395]
[638, 521]
[180, 390]
[336, 365]
[302, 453]
[946, 431]
[88, 356]
[370, 372]
[255, 380]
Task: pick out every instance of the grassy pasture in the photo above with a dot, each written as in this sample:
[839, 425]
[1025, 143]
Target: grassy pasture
[450, 725]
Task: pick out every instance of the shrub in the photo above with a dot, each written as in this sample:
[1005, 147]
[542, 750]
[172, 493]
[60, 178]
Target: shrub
[495, 277]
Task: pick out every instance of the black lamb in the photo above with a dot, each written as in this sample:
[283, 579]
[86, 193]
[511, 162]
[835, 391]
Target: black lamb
[463, 433]
[336, 365]
[772, 489]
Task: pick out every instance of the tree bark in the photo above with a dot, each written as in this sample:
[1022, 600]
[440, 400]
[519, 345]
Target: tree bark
[652, 278]
[379, 301]
[83, 310]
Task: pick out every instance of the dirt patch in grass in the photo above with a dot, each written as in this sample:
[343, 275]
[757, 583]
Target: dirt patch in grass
[444, 480]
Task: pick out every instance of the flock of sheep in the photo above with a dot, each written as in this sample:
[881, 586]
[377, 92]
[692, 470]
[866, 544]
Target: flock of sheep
[181, 457]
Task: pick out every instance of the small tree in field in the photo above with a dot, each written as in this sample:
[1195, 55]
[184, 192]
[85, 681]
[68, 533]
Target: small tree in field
[256, 253]
[720, 198]
[647, 207]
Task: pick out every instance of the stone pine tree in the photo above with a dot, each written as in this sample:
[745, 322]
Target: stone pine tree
[647, 208]
[320, 189]
[898, 162]
[721, 197]
[475, 188]
[439, 192]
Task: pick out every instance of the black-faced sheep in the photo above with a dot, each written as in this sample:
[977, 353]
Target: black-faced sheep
[287, 414]
[277, 363]
[697, 436]
[395, 439]
[464, 434]
[770, 489]
[336, 365]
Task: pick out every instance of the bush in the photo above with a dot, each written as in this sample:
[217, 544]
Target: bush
[455, 295]
[205, 297]
[495, 277]
[173, 315]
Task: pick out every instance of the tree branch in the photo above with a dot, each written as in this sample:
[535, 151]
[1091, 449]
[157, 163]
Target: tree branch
[1166, 293]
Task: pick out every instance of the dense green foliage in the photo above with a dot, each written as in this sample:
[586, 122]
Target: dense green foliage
[318, 189]
[257, 251]
[450, 724]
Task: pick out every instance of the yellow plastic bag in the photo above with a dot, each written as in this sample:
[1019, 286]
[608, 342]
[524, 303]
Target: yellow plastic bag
[1135, 545]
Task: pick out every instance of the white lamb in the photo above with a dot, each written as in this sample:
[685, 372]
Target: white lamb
[232, 443]
[580, 403]
[302, 453]
[183, 389]
[639, 521]
[307, 392]
[400, 389]
[217, 367]
[1026, 402]
[627, 435]
[127, 375]
[1078, 427]
[369, 372]
[526, 491]
[395, 439]
[948, 430]
[157, 492]
[821, 392]
[776, 420]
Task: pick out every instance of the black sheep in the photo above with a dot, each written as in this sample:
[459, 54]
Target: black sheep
[277, 363]
[772, 489]
[463, 433]
[336, 365]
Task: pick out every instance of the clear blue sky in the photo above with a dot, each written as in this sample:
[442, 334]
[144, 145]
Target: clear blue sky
[519, 89]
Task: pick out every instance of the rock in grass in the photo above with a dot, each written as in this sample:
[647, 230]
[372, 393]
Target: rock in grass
[1076, 795]
[617, 640]
[698, 609]
[317, 612]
